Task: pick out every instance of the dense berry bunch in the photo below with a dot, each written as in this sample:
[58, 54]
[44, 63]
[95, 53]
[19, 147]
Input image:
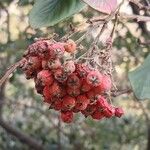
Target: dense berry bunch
[67, 86]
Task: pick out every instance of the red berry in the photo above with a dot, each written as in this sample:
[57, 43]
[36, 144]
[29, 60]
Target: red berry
[94, 78]
[45, 77]
[56, 90]
[57, 105]
[82, 102]
[68, 102]
[73, 81]
[85, 86]
[47, 94]
[97, 115]
[102, 103]
[97, 90]
[92, 96]
[73, 91]
[60, 76]
[75, 110]
[119, 112]
[108, 112]
[67, 116]
[90, 109]
[105, 83]
[70, 46]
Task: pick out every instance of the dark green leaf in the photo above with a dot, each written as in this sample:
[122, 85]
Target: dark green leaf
[140, 80]
[50, 12]
[25, 2]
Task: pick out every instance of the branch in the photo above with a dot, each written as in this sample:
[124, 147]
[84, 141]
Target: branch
[9, 71]
[138, 18]
[139, 5]
[121, 16]
[121, 92]
[32, 143]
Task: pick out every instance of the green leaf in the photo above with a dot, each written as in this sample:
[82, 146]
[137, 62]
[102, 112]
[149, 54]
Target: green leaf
[25, 2]
[50, 12]
[140, 80]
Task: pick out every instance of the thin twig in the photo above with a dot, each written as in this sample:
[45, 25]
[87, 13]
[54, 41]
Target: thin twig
[9, 71]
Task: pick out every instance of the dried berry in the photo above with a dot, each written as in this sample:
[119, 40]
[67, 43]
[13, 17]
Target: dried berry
[70, 46]
[69, 67]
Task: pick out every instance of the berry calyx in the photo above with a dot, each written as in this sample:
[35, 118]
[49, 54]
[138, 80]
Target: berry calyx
[94, 78]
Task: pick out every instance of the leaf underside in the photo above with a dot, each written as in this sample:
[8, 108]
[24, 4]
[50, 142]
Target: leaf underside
[140, 80]
[104, 6]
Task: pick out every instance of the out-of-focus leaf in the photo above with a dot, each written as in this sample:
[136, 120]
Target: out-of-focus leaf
[50, 12]
[25, 2]
[140, 80]
[104, 6]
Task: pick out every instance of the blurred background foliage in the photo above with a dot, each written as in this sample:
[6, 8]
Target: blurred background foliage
[23, 107]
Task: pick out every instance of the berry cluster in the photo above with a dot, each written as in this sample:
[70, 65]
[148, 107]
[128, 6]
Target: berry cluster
[67, 86]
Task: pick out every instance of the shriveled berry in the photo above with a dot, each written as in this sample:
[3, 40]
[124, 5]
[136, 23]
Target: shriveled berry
[40, 48]
[70, 46]
[82, 70]
[34, 63]
[54, 64]
[69, 67]
[30, 74]
[38, 85]
[44, 64]
[56, 50]
[60, 76]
